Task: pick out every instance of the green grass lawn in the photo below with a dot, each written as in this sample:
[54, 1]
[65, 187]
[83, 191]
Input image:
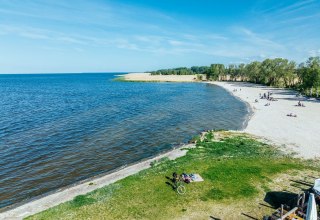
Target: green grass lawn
[236, 169]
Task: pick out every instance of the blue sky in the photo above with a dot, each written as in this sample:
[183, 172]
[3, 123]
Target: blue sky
[139, 35]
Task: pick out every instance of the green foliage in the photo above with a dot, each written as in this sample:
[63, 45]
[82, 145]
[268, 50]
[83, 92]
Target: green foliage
[199, 77]
[158, 162]
[195, 70]
[234, 166]
[309, 75]
[82, 200]
[277, 72]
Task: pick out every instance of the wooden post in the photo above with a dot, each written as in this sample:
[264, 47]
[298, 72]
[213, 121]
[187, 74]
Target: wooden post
[281, 212]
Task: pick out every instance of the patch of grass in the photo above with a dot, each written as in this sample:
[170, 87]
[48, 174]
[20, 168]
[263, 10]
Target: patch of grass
[82, 200]
[158, 162]
[235, 167]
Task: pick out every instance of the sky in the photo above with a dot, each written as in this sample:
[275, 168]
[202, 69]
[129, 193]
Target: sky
[49, 36]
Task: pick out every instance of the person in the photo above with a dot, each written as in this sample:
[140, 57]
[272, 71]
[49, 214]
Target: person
[175, 179]
[186, 178]
[256, 100]
[299, 103]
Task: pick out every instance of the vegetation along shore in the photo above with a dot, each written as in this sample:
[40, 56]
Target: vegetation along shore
[244, 172]
[238, 172]
[278, 72]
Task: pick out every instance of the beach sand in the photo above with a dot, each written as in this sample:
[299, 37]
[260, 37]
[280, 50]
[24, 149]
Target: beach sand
[299, 134]
[159, 78]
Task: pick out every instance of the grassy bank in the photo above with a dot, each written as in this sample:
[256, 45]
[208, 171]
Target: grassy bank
[238, 171]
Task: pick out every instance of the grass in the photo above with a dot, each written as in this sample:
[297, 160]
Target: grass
[237, 169]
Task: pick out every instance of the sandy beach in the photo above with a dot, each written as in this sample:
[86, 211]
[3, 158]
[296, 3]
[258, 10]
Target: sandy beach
[298, 134]
[147, 77]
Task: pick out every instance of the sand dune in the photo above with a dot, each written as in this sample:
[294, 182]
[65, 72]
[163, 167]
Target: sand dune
[300, 134]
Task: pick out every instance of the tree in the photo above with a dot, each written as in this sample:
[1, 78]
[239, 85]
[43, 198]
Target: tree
[313, 72]
[242, 72]
[215, 72]
[232, 71]
[253, 71]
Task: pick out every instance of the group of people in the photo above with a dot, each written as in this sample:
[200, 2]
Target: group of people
[267, 96]
[236, 90]
[300, 104]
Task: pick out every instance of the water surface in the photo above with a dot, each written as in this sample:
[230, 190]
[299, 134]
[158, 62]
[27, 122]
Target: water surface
[57, 129]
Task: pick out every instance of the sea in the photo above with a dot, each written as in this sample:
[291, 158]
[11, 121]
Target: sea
[59, 129]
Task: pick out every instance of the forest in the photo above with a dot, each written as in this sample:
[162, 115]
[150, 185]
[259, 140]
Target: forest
[277, 72]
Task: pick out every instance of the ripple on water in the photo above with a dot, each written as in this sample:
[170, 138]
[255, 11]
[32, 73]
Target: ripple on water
[59, 129]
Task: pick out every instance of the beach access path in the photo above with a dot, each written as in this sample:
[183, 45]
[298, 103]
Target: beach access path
[299, 134]
[67, 194]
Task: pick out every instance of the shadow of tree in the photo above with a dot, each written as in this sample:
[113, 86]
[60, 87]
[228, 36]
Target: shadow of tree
[276, 198]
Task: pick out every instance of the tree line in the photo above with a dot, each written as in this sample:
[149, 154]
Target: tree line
[278, 72]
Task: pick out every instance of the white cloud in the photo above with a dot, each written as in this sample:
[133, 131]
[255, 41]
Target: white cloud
[34, 36]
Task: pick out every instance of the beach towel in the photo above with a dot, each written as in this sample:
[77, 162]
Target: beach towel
[196, 178]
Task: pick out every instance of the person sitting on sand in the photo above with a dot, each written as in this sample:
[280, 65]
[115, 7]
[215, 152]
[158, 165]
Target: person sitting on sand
[256, 101]
[300, 104]
[291, 115]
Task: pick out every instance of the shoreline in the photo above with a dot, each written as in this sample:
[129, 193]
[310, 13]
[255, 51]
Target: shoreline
[250, 109]
[298, 135]
[250, 125]
[147, 77]
[48, 200]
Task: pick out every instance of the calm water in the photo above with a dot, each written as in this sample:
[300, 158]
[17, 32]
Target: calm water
[62, 128]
